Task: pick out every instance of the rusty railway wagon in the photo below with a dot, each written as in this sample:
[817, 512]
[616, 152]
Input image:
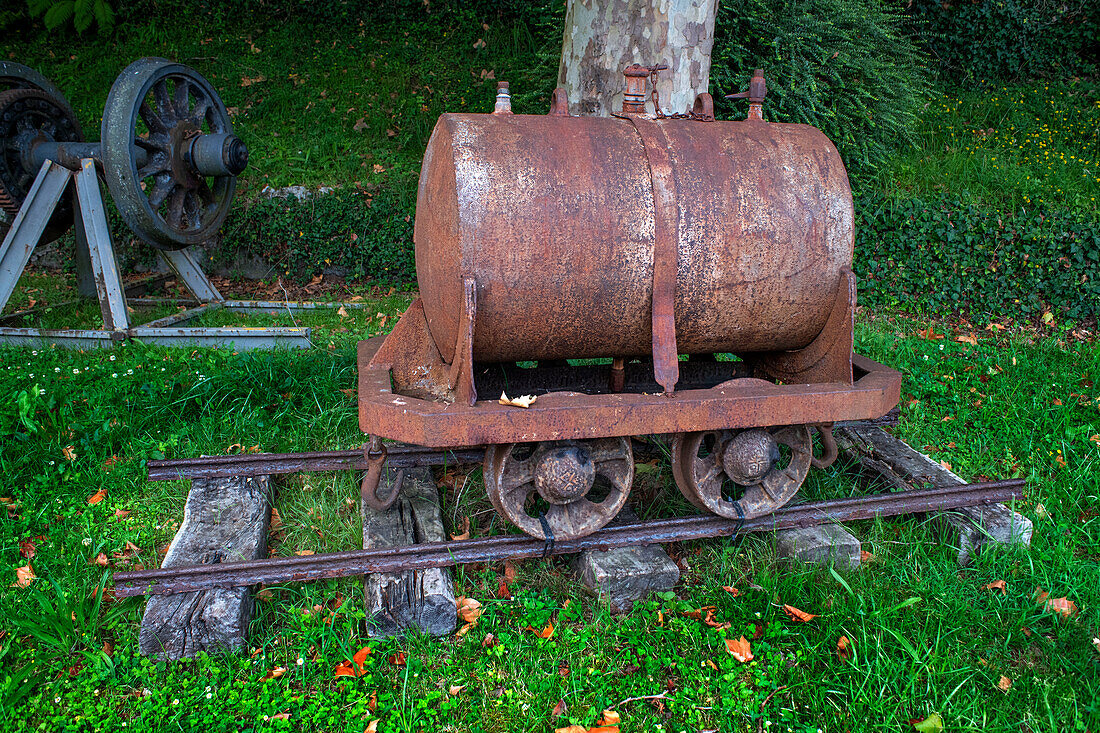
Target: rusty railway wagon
[640, 275]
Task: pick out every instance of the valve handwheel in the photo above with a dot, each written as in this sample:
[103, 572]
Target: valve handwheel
[170, 158]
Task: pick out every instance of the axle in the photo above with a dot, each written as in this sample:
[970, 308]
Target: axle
[214, 154]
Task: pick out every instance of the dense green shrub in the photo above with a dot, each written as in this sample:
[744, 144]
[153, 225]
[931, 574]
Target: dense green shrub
[1008, 39]
[843, 66]
[367, 234]
[945, 254]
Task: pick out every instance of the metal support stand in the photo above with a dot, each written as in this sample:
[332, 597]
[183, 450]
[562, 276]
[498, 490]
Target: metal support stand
[98, 275]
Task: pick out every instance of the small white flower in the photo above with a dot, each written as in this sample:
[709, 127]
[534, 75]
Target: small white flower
[301, 661]
[57, 700]
[129, 371]
[76, 371]
[86, 541]
[176, 701]
[57, 370]
[34, 353]
[207, 688]
[208, 696]
[926, 357]
[112, 357]
[266, 718]
[114, 375]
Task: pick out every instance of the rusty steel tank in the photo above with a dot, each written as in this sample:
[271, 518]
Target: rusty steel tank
[555, 218]
[634, 275]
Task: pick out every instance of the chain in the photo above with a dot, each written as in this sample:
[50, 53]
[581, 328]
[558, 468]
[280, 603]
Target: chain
[657, 101]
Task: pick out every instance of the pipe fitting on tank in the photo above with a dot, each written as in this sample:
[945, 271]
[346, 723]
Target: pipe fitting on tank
[758, 89]
[504, 99]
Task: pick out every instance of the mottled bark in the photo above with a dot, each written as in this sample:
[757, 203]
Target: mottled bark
[603, 37]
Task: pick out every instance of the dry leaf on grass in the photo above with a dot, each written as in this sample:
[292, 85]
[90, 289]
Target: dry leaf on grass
[24, 576]
[1062, 606]
[97, 496]
[469, 609]
[609, 717]
[731, 590]
[865, 557]
[996, 585]
[455, 689]
[372, 727]
[304, 553]
[559, 710]
[121, 514]
[740, 649]
[274, 674]
[464, 533]
[571, 729]
[69, 453]
[524, 401]
[1004, 683]
[798, 615]
[842, 648]
[99, 559]
[27, 549]
[544, 633]
[398, 659]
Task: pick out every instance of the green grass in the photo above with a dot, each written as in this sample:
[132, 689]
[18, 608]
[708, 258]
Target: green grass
[1010, 147]
[322, 105]
[926, 637]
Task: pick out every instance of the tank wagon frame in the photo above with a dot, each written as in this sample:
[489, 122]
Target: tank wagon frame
[730, 333]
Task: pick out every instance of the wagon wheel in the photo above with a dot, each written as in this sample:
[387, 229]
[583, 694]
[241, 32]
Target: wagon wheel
[31, 115]
[161, 108]
[576, 486]
[766, 467]
[18, 76]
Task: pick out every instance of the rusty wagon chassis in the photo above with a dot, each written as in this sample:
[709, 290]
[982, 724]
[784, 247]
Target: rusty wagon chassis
[637, 413]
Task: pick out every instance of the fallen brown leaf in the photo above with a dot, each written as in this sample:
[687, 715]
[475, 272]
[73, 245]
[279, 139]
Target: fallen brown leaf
[397, 660]
[967, 339]
[865, 557]
[455, 689]
[740, 649]
[544, 633]
[97, 496]
[69, 453]
[571, 729]
[469, 609]
[464, 533]
[24, 575]
[489, 641]
[996, 585]
[559, 710]
[609, 717]
[304, 553]
[731, 590]
[281, 716]
[372, 727]
[523, 401]
[798, 615]
[27, 548]
[121, 514]
[359, 659]
[842, 648]
[502, 589]
[274, 674]
[1062, 606]
[1004, 683]
[100, 560]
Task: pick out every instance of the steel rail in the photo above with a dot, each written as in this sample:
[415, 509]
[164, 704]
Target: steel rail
[262, 464]
[398, 456]
[164, 581]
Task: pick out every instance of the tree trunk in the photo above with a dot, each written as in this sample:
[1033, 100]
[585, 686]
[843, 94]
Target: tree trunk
[603, 37]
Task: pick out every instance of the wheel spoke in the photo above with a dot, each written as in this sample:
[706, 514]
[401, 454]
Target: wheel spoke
[160, 192]
[198, 114]
[164, 104]
[151, 119]
[175, 208]
[156, 164]
[181, 98]
[204, 192]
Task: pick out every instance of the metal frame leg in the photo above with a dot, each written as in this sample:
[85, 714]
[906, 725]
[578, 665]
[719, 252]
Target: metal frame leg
[29, 224]
[191, 275]
[92, 219]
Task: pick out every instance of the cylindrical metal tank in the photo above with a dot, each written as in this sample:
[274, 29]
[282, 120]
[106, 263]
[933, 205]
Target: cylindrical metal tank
[554, 218]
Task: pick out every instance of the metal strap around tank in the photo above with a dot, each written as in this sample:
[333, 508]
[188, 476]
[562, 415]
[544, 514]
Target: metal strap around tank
[666, 233]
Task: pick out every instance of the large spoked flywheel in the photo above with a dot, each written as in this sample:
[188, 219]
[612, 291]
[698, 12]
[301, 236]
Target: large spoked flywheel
[170, 158]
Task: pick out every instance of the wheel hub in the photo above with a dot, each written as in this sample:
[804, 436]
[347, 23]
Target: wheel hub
[749, 456]
[564, 474]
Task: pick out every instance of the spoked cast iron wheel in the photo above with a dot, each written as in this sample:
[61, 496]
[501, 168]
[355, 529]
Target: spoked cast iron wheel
[742, 474]
[576, 487]
[164, 108]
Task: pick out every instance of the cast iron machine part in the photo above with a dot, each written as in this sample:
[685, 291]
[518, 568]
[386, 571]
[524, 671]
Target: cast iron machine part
[167, 151]
[580, 260]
